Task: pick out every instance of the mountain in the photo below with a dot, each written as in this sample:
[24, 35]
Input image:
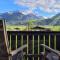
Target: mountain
[17, 17]
[31, 17]
[55, 20]
[12, 17]
[44, 22]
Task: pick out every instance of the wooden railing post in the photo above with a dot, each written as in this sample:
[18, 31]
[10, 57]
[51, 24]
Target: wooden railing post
[33, 46]
[27, 45]
[49, 40]
[55, 42]
[10, 43]
[21, 40]
[16, 42]
[44, 44]
[38, 46]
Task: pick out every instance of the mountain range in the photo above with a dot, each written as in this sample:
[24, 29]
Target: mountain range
[18, 18]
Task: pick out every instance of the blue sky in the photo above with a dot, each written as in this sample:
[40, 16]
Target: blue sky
[47, 8]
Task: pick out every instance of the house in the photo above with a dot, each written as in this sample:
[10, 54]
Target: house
[38, 28]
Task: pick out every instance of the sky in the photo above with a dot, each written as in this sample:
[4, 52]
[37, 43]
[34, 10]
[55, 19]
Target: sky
[46, 8]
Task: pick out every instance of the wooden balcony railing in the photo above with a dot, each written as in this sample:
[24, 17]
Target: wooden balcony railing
[33, 41]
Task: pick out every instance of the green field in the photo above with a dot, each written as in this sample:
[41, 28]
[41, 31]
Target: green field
[25, 28]
[15, 27]
[53, 28]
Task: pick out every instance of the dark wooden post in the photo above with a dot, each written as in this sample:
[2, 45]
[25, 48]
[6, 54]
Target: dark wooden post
[3, 42]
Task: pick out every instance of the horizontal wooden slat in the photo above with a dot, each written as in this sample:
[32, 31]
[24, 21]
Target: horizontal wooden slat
[33, 55]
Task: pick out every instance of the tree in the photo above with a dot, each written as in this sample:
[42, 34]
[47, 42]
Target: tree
[30, 24]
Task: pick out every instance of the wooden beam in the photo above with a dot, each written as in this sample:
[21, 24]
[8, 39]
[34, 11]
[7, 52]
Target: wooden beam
[18, 50]
[52, 50]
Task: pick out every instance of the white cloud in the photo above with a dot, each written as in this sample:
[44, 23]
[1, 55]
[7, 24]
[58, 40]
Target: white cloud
[56, 6]
[46, 5]
[27, 12]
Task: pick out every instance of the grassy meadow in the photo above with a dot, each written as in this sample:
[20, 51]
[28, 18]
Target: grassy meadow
[15, 27]
[25, 28]
[53, 28]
